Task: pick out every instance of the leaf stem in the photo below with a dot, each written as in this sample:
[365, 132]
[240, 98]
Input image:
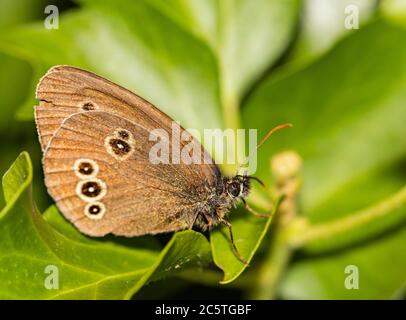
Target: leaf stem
[272, 267]
[230, 104]
[230, 99]
[286, 170]
[317, 235]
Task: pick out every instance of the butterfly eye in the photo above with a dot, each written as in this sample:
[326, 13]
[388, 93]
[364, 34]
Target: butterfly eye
[234, 189]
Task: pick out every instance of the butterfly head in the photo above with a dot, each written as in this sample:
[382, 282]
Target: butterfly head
[237, 186]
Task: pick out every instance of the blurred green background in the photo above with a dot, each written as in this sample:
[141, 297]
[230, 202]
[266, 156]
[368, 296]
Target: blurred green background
[250, 64]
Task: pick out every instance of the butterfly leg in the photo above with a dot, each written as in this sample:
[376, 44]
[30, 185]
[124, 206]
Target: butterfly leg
[194, 221]
[203, 222]
[235, 250]
[255, 213]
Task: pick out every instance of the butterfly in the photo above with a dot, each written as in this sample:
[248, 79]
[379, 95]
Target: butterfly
[95, 138]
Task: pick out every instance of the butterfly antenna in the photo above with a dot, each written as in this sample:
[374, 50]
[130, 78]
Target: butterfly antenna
[271, 132]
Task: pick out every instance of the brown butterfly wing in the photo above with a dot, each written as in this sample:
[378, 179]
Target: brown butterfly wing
[66, 90]
[137, 197]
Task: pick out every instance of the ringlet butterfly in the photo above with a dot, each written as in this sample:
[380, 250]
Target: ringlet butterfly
[95, 138]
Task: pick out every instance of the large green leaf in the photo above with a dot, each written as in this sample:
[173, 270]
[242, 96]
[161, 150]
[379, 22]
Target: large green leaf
[146, 60]
[245, 225]
[88, 268]
[394, 10]
[349, 127]
[15, 77]
[14, 12]
[246, 36]
[330, 17]
[167, 60]
[344, 127]
[381, 269]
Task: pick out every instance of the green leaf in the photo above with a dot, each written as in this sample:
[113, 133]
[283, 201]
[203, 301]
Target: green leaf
[330, 17]
[244, 225]
[353, 228]
[395, 11]
[346, 120]
[177, 255]
[349, 129]
[166, 60]
[146, 60]
[373, 241]
[87, 268]
[246, 36]
[381, 269]
[14, 81]
[14, 12]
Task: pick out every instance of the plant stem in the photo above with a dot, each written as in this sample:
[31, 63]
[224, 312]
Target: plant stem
[286, 169]
[231, 114]
[345, 227]
[272, 267]
[228, 93]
